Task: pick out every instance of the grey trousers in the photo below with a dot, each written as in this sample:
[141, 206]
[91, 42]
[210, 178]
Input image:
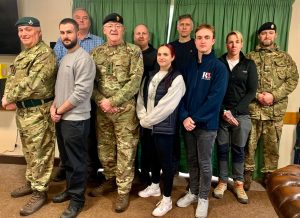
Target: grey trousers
[199, 144]
[233, 138]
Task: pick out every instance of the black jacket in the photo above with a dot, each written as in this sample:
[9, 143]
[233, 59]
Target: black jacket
[242, 85]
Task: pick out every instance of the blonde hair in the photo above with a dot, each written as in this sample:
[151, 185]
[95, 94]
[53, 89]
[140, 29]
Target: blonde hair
[238, 35]
[206, 26]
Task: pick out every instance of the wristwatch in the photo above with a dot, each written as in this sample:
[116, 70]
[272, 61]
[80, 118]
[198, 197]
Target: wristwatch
[56, 112]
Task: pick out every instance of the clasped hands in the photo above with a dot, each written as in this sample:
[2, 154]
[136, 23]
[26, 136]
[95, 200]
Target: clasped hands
[6, 105]
[266, 98]
[54, 116]
[189, 124]
[229, 118]
[106, 106]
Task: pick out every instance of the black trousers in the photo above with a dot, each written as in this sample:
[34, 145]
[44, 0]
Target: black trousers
[93, 162]
[145, 161]
[161, 156]
[72, 145]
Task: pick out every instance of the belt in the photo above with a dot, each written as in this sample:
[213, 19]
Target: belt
[32, 102]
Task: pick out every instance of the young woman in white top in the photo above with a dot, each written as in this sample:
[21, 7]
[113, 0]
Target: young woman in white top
[157, 107]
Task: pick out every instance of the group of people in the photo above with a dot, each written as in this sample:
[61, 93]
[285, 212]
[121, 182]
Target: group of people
[145, 94]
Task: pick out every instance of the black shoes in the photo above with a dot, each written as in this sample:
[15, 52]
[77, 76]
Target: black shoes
[61, 197]
[71, 212]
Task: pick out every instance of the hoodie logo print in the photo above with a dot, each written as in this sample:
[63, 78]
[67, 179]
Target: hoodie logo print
[206, 76]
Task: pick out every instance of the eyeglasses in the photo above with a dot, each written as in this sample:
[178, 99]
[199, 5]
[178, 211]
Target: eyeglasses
[111, 26]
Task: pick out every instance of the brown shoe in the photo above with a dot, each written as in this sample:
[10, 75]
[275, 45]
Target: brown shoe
[22, 191]
[37, 200]
[240, 192]
[247, 179]
[122, 203]
[107, 186]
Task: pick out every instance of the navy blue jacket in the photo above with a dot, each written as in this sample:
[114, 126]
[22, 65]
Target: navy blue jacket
[206, 85]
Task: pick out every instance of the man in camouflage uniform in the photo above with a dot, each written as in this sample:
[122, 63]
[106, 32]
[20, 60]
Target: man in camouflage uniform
[119, 69]
[277, 78]
[31, 88]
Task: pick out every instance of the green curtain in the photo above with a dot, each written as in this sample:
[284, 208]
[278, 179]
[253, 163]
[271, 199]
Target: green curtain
[153, 13]
[245, 16]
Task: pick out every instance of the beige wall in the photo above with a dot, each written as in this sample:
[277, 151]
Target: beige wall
[289, 131]
[51, 12]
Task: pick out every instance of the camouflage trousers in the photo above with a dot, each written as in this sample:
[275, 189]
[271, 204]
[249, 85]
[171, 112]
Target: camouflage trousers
[37, 134]
[118, 136]
[270, 131]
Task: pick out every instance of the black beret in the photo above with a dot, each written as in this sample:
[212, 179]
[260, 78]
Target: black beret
[114, 17]
[267, 26]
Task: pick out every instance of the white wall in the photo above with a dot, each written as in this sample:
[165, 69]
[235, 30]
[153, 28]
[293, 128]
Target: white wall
[51, 12]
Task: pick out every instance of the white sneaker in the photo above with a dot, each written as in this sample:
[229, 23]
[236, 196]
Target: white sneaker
[187, 199]
[151, 190]
[162, 207]
[202, 208]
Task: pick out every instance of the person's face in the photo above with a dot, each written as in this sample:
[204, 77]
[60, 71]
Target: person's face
[234, 45]
[114, 32]
[29, 35]
[185, 27]
[141, 36]
[267, 38]
[68, 35]
[204, 41]
[83, 20]
[164, 58]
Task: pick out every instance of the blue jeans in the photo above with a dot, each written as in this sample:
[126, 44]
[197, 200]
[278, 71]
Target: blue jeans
[199, 144]
[72, 145]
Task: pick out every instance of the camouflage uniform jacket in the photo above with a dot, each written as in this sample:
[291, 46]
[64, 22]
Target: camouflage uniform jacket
[33, 74]
[278, 75]
[119, 72]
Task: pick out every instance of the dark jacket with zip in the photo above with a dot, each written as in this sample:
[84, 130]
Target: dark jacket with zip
[242, 85]
[206, 84]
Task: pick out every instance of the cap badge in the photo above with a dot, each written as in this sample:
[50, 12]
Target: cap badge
[30, 22]
[272, 26]
[118, 18]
